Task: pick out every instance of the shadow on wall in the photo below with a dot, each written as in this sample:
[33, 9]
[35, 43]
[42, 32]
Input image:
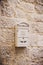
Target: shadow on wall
[1, 61]
[20, 50]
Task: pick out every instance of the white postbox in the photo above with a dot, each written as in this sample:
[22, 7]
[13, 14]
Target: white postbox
[21, 34]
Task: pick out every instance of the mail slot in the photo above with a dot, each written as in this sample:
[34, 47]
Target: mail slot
[21, 34]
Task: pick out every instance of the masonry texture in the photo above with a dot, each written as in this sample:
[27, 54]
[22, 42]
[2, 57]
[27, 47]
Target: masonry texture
[11, 13]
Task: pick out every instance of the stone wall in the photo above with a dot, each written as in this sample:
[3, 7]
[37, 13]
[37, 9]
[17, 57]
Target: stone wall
[11, 13]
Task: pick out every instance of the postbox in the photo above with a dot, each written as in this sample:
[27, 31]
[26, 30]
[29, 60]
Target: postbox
[21, 34]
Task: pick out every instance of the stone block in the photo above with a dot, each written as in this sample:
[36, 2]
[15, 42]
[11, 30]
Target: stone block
[40, 40]
[36, 27]
[39, 8]
[7, 55]
[6, 36]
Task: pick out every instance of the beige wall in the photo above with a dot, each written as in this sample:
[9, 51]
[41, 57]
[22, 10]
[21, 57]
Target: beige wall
[11, 13]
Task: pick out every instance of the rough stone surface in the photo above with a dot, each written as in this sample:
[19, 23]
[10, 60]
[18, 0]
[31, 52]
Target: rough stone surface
[11, 13]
